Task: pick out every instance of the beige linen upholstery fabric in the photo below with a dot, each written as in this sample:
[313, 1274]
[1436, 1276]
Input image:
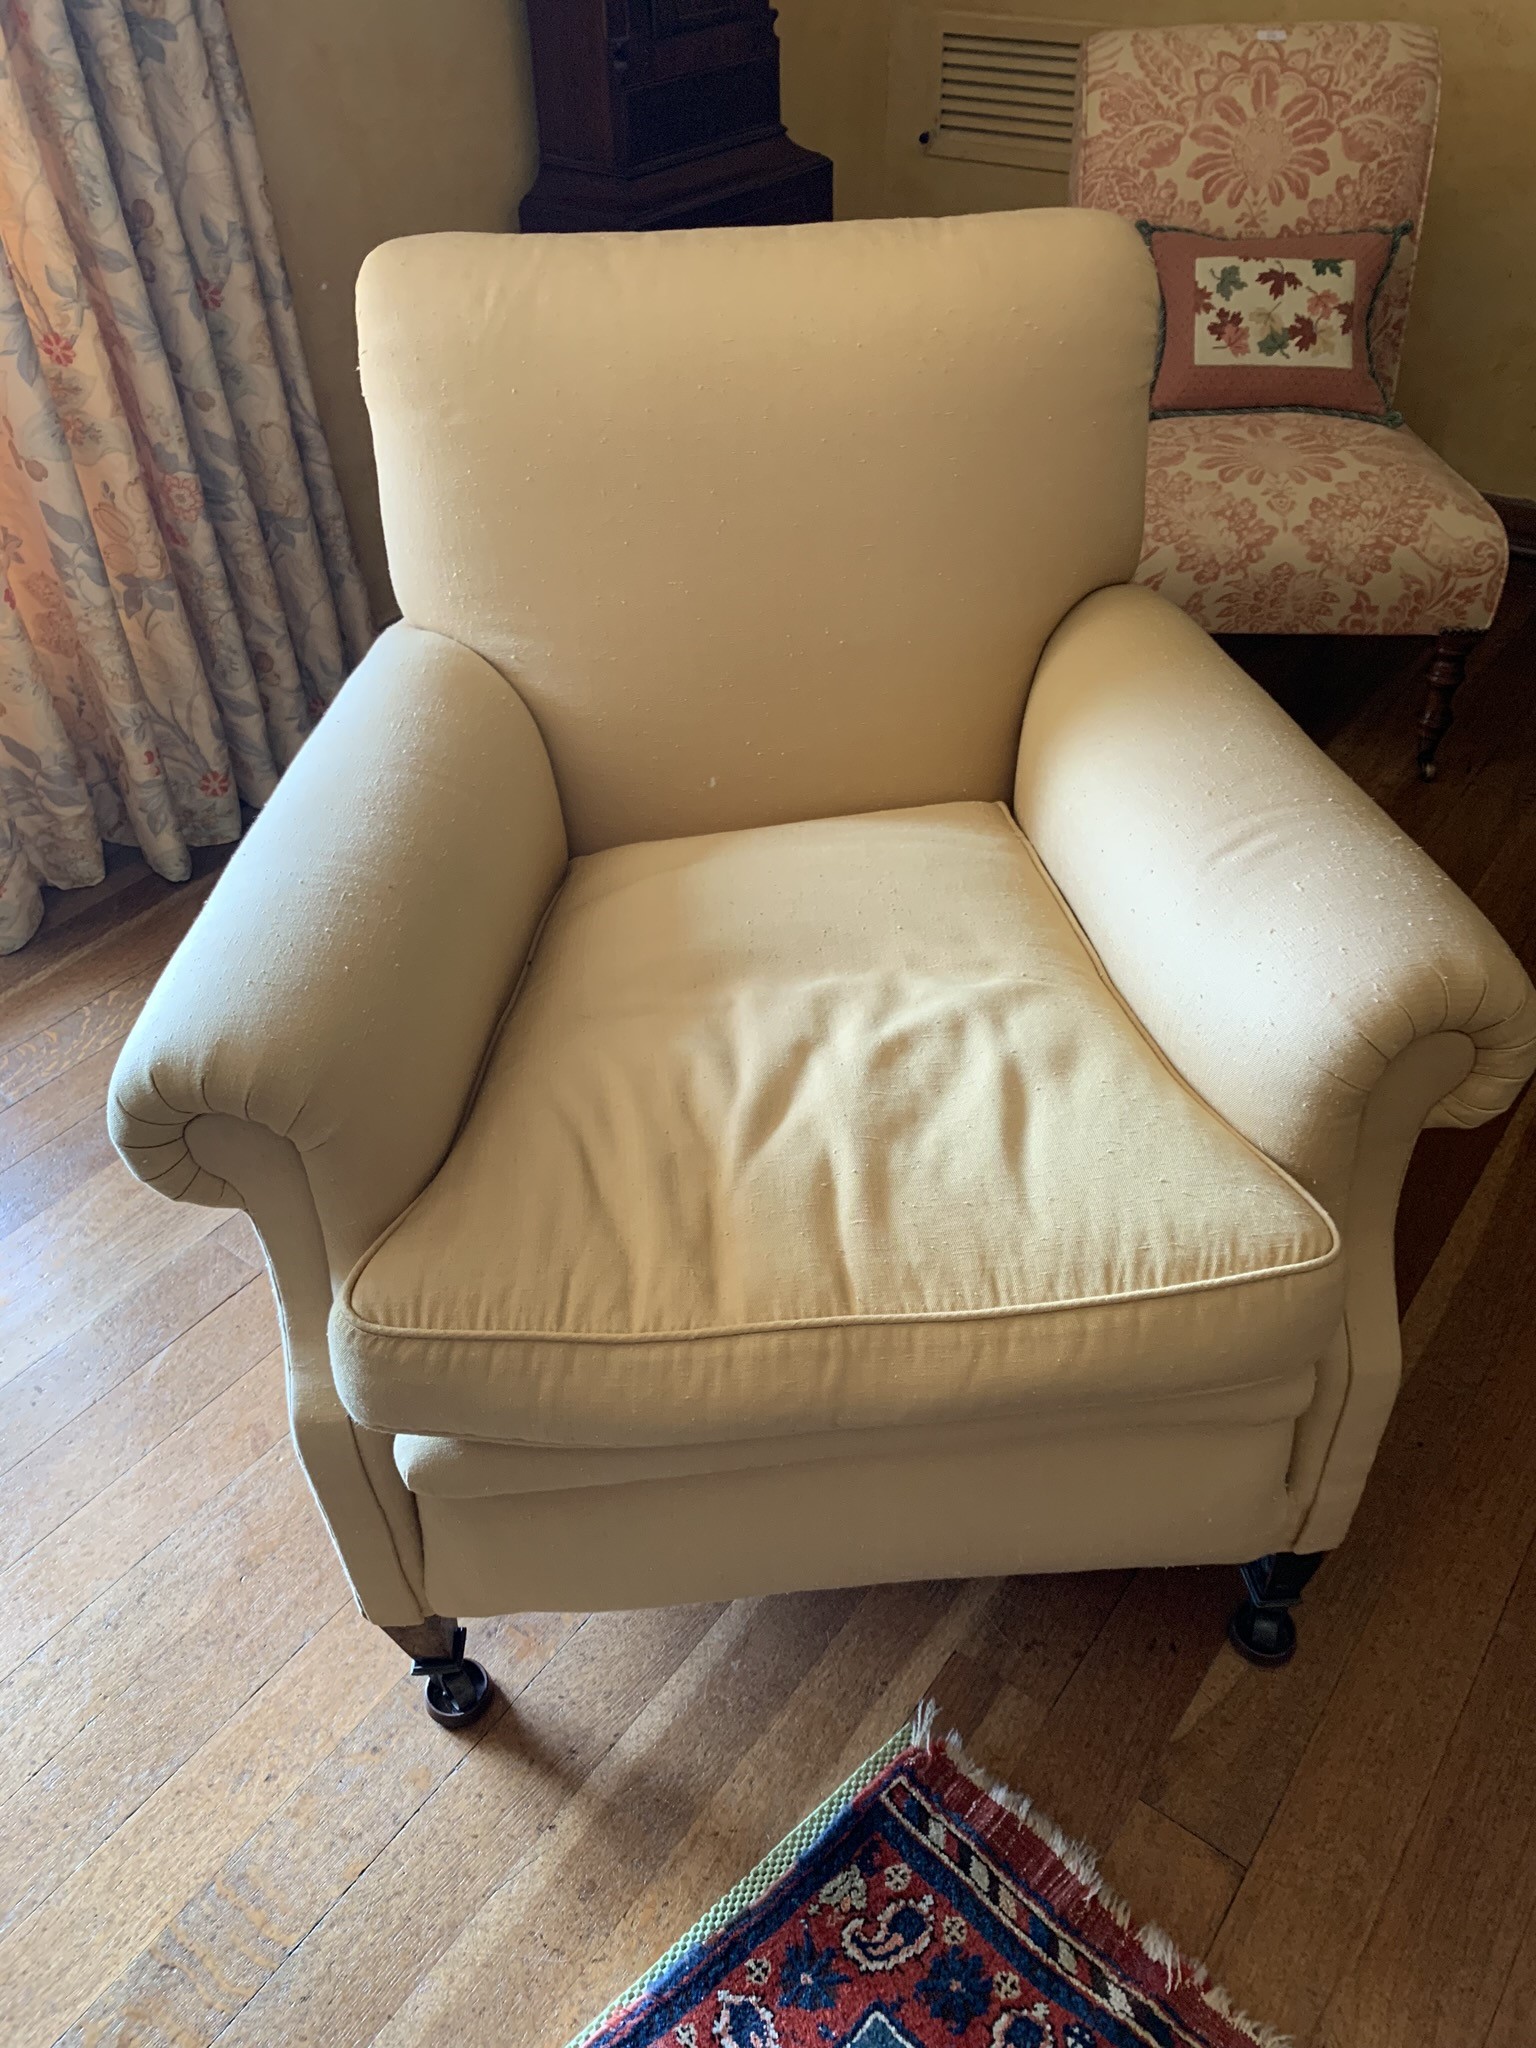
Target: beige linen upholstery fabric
[735, 555]
[360, 946]
[1280, 938]
[1303, 964]
[776, 1142]
[1016, 1502]
[762, 526]
[468, 1468]
[311, 1046]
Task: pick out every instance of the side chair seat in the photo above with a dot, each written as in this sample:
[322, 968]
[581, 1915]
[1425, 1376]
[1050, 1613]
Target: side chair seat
[821, 1128]
[1290, 522]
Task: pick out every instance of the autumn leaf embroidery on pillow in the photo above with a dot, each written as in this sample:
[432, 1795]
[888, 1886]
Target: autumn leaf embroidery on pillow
[1270, 322]
[1273, 311]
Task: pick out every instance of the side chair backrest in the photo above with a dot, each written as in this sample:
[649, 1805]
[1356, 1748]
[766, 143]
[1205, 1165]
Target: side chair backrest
[764, 523]
[1324, 127]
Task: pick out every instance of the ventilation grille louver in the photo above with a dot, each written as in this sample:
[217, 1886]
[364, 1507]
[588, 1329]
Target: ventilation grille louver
[1006, 90]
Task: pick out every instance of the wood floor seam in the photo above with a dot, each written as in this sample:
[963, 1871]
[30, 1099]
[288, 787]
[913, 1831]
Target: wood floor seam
[83, 1414]
[271, 1360]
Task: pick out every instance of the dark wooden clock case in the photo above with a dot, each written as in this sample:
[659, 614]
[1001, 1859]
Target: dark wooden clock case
[664, 113]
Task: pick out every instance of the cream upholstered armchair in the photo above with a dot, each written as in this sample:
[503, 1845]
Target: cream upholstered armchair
[790, 1027]
[1299, 521]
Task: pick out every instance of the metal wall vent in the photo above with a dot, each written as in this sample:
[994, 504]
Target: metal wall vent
[1006, 90]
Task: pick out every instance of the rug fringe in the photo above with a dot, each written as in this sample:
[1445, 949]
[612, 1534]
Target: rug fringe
[1082, 1865]
[1081, 1868]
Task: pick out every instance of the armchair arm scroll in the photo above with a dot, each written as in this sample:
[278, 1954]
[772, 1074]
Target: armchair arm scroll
[1304, 965]
[1279, 937]
[309, 1051]
[341, 985]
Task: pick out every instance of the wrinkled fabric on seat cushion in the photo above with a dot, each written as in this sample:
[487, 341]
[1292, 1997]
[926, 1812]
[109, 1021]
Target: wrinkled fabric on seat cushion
[1295, 522]
[825, 1126]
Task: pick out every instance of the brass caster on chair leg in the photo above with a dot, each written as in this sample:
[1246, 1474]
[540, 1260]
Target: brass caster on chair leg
[1261, 1629]
[458, 1690]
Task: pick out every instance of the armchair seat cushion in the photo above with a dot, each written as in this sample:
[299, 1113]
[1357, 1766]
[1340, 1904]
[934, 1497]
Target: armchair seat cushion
[1295, 522]
[825, 1127]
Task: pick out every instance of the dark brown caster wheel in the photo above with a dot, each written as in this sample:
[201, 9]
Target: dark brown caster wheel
[458, 1690]
[1262, 1629]
[1264, 1635]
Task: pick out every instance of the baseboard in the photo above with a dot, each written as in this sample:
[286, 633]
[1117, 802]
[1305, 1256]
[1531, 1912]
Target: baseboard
[1519, 517]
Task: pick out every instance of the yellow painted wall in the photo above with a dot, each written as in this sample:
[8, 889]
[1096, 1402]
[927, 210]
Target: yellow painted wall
[1469, 368]
[833, 60]
[378, 118]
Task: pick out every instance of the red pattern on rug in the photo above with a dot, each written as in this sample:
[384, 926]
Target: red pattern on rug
[929, 1914]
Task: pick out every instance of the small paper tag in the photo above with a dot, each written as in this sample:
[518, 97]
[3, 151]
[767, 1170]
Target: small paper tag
[1271, 35]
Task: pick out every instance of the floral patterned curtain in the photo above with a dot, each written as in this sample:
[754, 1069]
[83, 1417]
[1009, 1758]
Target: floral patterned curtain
[181, 598]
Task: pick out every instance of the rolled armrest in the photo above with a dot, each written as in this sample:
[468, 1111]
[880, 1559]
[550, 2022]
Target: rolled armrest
[342, 983]
[1279, 937]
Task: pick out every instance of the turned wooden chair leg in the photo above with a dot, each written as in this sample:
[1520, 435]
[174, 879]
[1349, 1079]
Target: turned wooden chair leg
[458, 1689]
[1448, 664]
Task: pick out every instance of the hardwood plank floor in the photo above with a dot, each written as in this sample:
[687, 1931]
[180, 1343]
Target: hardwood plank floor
[225, 1818]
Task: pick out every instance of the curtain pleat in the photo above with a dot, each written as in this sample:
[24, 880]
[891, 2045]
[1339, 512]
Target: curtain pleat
[181, 597]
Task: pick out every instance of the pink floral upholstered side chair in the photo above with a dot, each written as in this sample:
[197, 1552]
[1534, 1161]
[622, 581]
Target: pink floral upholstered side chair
[1284, 495]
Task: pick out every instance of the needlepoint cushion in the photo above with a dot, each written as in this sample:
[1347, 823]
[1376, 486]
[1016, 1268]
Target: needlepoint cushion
[1269, 321]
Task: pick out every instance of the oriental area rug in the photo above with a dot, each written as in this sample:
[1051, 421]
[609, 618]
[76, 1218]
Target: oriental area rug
[923, 1906]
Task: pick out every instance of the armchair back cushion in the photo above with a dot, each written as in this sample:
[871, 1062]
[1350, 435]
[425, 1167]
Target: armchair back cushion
[762, 527]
